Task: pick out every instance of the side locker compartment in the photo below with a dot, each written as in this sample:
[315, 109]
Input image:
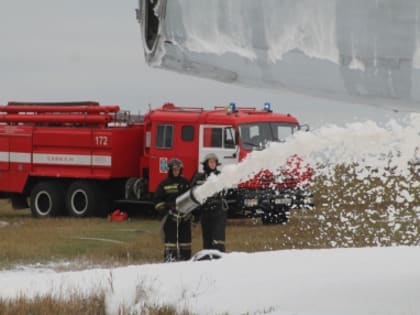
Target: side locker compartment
[4, 153]
[20, 161]
[4, 162]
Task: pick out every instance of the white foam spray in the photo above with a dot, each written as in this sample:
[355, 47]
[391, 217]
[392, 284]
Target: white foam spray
[374, 151]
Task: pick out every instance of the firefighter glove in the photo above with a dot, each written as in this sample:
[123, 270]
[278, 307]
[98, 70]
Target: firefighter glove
[170, 207]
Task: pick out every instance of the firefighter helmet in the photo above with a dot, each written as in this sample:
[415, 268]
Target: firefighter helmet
[175, 163]
[210, 156]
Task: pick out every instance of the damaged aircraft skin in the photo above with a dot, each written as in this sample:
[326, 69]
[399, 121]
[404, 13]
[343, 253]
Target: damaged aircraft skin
[358, 51]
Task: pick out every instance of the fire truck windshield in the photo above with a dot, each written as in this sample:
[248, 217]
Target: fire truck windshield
[256, 135]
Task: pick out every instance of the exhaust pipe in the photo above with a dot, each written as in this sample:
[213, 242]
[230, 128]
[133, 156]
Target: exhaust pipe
[187, 202]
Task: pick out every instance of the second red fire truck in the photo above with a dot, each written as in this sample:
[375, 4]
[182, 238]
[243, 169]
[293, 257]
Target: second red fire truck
[82, 159]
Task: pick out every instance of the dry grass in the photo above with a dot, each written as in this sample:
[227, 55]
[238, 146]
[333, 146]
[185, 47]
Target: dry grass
[28, 240]
[97, 241]
[74, 304]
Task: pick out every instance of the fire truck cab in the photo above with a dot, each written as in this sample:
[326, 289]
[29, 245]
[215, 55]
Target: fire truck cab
[231, 133]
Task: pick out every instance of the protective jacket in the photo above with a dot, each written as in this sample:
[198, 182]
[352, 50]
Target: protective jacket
[213, 215]
[176, 229]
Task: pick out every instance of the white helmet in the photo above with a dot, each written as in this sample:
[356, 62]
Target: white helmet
[210, 156]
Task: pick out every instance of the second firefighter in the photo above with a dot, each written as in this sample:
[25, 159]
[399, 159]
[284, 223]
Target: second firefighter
[213, 212]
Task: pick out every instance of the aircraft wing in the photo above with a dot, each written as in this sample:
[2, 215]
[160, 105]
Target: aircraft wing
[362, 51]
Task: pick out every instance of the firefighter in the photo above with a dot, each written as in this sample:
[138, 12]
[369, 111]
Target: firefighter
[176, 228]
[213, 212]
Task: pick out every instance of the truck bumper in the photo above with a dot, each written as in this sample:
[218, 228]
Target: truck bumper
[268, 202]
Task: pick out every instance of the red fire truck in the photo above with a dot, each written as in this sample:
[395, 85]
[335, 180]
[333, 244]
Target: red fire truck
[82, 159]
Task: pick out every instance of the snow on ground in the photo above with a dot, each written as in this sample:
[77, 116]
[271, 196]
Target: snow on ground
[299, 282]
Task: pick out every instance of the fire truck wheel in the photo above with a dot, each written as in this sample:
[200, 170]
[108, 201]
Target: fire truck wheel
[46, 199]
[81, 199]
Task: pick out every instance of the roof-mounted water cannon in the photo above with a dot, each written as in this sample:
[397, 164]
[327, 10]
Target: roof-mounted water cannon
[267, 107]
[304, 127]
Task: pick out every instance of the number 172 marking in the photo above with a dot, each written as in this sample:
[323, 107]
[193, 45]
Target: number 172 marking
[101, 141]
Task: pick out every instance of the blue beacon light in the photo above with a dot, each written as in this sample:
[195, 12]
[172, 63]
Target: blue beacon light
[267, 107]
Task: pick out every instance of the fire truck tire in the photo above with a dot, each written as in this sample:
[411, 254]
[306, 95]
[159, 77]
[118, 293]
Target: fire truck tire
[46, 199]
[81, 199]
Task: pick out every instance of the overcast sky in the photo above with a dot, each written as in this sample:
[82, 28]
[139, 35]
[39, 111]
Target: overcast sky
[56, 50]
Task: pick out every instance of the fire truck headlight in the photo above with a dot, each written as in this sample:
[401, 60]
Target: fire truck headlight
[283, 201]
[251, 202]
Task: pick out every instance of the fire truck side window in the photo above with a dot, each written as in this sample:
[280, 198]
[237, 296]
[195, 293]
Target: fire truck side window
[164, 136]
[213, 137]
[229, 138]
[281, 131]
[187, 133]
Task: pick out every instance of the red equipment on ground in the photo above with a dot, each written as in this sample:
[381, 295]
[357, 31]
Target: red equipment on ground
[118, 216]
